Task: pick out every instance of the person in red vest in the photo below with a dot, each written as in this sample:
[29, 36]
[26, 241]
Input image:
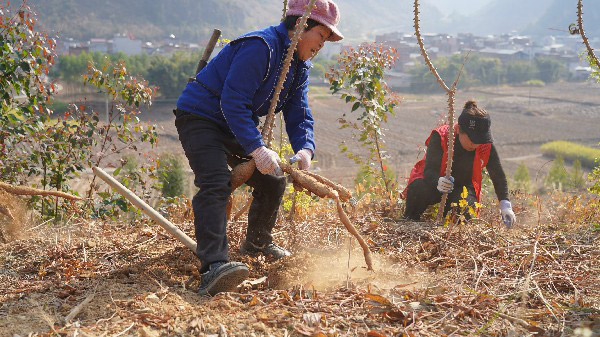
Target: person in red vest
[473, 150]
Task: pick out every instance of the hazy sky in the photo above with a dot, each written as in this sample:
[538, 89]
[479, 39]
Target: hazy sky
[464, 7]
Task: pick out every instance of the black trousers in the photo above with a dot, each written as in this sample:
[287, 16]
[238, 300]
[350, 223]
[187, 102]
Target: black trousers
[209, 150]
[420, 195]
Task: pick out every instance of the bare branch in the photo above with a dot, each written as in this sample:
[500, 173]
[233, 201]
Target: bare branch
[462, 68]
[451, 93]
[285, 4]
[267, 131]
[424, 52]
[449, 161]
[590, 50]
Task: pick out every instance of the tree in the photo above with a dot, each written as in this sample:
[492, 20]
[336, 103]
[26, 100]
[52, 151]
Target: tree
[171, 176]
[359, 75]
[519, 71]
[34, 147]
[549, 70]
[594, 178]
[487, 71]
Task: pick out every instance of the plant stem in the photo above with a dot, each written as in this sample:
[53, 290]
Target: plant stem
[383, 177]
[270, 120]
[440, 214]
[590, 50]
[285, 3]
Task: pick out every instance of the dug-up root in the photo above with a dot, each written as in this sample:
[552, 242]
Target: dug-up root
[21, 190]
[313, 183]
[324, 188]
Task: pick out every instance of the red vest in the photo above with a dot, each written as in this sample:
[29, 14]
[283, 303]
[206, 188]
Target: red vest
[482, 155]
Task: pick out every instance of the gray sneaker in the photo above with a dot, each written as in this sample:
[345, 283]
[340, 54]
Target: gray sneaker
[271, 249]
[222, 277]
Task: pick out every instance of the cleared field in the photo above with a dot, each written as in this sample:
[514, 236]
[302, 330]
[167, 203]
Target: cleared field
[523, 119]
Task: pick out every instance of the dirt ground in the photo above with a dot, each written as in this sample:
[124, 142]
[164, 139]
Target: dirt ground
[128, 278]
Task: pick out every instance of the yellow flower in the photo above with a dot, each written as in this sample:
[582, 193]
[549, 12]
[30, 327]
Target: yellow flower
[464, 193]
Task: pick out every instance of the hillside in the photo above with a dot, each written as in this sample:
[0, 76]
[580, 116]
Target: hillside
[148, 19]
[561, 14]
[192, 20]
[361, 20]
[498, 16]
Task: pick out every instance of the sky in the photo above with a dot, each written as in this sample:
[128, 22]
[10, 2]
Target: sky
[464, 7]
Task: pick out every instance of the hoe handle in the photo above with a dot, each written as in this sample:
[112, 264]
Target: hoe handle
[208, 50]
[149, 211]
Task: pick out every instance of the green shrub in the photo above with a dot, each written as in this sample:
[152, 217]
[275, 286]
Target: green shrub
[557, 176]
[522, 180]
[171, 176]
[576, 178]
[572, 151]
[535, 83]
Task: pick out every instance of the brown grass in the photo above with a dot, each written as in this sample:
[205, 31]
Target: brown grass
[477, 279]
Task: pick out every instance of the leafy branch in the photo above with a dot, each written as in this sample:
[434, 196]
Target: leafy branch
[359, 75]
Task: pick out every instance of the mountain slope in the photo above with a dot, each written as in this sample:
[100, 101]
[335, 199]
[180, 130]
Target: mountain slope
[151, 19]
[501, 16]
[561, 14]
[193, 19]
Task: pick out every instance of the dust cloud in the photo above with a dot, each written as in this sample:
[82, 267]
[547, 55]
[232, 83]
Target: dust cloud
[332, 270]
[15, 219]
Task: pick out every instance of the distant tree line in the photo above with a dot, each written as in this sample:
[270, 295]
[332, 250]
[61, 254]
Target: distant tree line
[168, 73]
[488, 71]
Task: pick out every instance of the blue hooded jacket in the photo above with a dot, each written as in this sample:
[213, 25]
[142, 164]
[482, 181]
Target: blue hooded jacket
[237, 85]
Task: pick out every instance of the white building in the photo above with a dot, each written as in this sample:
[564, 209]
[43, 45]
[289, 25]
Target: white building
[98, 46]
[126, 45]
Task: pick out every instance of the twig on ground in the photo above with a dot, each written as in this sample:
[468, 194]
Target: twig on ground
[502, 248]
[80, 307]
[125, 331]
[545, 301]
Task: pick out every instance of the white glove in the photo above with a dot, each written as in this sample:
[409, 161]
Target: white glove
[267, 161]
[445, 185]
[508, 216]
[303, 158]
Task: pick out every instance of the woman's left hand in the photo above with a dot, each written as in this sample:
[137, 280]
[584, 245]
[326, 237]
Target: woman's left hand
[303, 157]
[508, 216]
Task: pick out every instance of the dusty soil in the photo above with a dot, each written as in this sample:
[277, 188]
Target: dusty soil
[128, 278]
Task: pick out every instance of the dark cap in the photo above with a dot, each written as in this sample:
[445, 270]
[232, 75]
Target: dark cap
[476, 127]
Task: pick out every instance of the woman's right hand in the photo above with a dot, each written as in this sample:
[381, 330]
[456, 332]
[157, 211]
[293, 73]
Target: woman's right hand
[267, 161]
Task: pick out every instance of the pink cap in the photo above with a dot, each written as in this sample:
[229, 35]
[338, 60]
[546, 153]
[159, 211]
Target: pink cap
[325, 12]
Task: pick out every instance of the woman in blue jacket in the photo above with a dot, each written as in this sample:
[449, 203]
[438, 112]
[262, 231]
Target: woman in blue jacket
[217, 117]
